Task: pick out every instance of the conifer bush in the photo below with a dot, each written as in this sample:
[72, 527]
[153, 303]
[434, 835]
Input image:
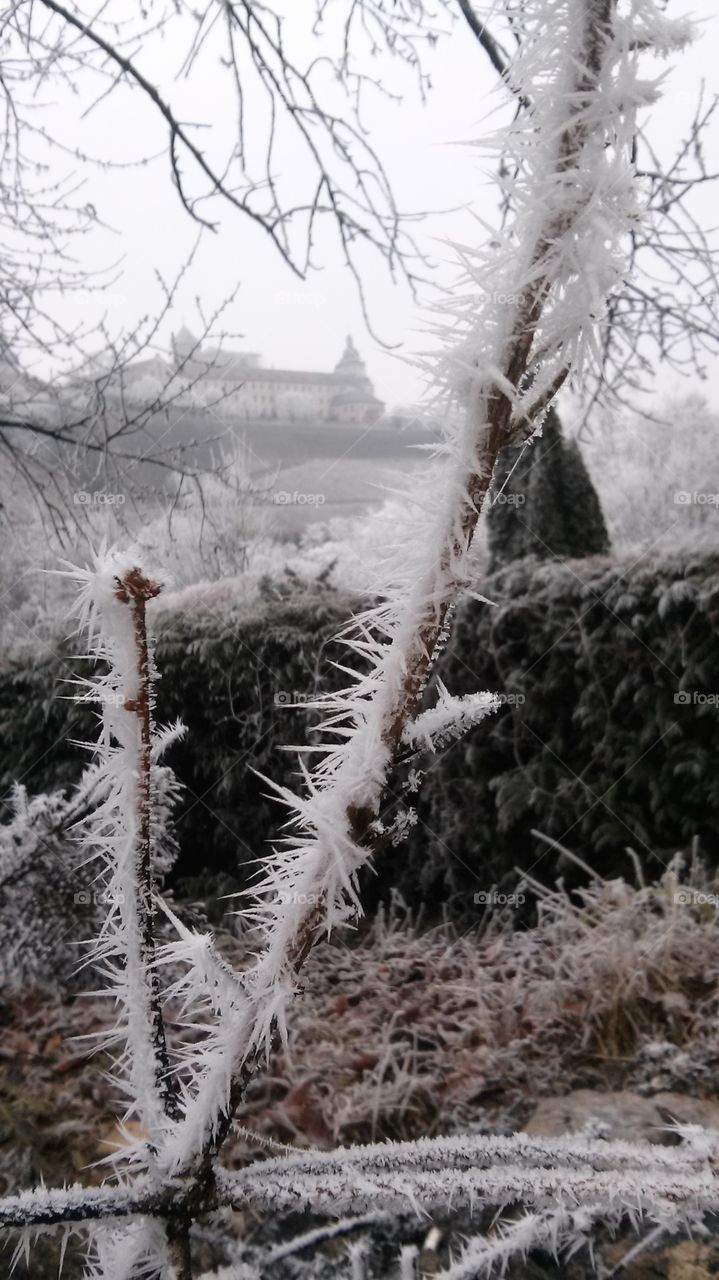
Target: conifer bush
[544, 503]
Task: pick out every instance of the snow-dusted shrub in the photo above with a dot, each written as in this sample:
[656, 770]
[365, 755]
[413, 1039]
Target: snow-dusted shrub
[46, 906]
[607, 735]
[242, 677]
[544, 504]
[597, 652]
[32, 537]
[50, 901]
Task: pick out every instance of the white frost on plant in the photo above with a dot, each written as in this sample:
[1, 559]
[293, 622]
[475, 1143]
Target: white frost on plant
[566, 1185]
[133, 1250]
[449, 718]
[531, 312]
[555, 1232]
[111, 835]
[674, 1187]
[37, 887]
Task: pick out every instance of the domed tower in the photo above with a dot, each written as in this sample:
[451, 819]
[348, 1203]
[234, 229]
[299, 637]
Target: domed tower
[350, 367]
[184, 345]
[355, 400]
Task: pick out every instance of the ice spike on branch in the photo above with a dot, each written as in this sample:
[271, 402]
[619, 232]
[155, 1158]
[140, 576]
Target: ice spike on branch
[124, 835]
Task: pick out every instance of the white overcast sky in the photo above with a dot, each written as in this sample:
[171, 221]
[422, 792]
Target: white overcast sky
[427, 148]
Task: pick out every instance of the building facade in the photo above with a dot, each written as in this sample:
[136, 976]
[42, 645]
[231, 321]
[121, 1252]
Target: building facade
[235, 383]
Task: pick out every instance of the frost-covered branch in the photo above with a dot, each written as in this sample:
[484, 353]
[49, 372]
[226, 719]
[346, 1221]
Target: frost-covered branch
[121, 832]
[554, 1232]
[665, 306]
[658, 1193]
[309, 1239]
[575, 204]
[449, 718]
[565, 1185]
[474, 1154]
[51, 1206]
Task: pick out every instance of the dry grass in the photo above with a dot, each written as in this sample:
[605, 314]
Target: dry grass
[404, 1031]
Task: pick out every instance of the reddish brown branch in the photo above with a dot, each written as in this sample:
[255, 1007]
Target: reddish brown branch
[135, 590]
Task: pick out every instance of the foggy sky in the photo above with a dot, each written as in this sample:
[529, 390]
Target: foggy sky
[428, 150]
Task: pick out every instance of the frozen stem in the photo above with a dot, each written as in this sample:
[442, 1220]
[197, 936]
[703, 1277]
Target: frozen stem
[134, 590]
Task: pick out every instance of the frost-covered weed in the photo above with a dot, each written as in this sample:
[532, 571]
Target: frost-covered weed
[407, 1031]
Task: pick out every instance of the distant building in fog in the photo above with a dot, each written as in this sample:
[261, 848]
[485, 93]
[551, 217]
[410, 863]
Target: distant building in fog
[235, 383]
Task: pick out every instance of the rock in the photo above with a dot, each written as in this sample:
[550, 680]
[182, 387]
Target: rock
[621, 1115]
[687, 1260]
